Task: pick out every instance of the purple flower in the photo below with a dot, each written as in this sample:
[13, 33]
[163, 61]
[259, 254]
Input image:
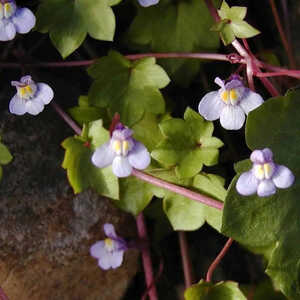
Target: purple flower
[230, 103]
[147, 3]
[122, 152]
[14, 19]
[265, 176]
[31, 97]
[109, 252]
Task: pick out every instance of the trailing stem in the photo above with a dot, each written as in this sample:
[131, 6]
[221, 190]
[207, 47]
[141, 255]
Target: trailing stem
[218, 259]
[186, 260]
[146, 257]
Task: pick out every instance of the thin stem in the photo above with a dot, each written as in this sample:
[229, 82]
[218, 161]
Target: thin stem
[282, 35]
[83, 63]
[274, 74]
[3, 295]
[269, 86]
[212, 10]
[66, 118]
[218, 259]
[178, 189]
[146, 256]
[286, 18]
[186, 260]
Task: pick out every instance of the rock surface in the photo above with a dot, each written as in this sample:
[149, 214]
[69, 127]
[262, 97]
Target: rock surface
[46, 230]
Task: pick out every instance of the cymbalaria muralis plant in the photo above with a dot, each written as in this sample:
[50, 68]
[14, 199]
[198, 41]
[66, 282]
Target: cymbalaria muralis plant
[143, 138]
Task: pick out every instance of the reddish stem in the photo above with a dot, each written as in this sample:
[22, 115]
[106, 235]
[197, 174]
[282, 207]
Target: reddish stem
[178, 189]
[146, 256]
[186, 260]
[274, 74]
[66, 118]
[218, 259]
[282, 35]
[212, 10]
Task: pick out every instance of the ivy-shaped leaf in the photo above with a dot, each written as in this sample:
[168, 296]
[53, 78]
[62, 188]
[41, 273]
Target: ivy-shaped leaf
[232, 25]
[174, 26]
[5, 157]
[188, 144]
[82, 174]
[69, 21]
[187, 214]
[85, 113]
[228, 290]
[129, 88]
[271, 225]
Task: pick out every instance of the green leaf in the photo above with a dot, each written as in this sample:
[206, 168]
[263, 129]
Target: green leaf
[242, 29]
[170, 27]
[136, 194]
[187, 145]
[83, 113]
[188, 214]
[68, 22]
[271, 225]
[228, 290]
[232, 24]
[82, 174]
[5, 156]
[129, 88]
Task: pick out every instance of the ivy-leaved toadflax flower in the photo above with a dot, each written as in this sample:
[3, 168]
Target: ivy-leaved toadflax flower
[123, 152]
[14, 20]
[265, 176]
[31, 96]
[230, 103]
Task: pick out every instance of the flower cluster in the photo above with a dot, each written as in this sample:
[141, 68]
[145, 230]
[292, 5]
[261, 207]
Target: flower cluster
[147, 3]
[230, 103]
[265, 175]
[122, 152]
[110, 251]
[14, 20]
[31, 96]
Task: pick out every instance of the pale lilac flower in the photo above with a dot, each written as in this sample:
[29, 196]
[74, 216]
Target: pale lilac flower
[31, 97]
[122, 152]
[110, 251]
[14, 19]
[147, 3]
[230, 103]
[265, 175]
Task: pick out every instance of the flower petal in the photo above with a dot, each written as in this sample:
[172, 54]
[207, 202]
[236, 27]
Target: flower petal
[266, 188]
[104, 262]
[109, 230]
[268, 154]
[44, 92]
[103, 156]
[232, 117]
[17, 106]
[247, 184]
[24, 20]
[98, 249]
[7, 30]
[283, 177]
[116, 259]
[257, 156]
[250, 101]
[147, 3]
[34, 106]
[211, 106]
[121, 166]
[139, 156]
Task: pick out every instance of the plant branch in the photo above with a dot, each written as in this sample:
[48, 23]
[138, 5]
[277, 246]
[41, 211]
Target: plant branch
[218, 259]
[82, 63]
[178, 189]
[146, 257]
[66, 118]
[186, 260]
[275, 74]
[283, 38]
